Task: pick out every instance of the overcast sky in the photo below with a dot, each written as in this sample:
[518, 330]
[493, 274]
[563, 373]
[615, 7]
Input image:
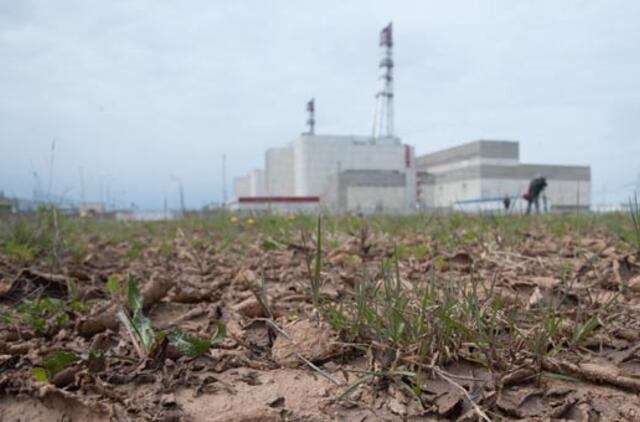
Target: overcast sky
[134, 91]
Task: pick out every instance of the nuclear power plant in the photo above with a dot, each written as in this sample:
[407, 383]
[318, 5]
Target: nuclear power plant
[380, 173]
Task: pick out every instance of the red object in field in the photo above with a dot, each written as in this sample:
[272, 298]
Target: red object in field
[526, 196]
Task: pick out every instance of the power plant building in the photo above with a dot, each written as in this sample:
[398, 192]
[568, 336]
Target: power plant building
[478, 175]
[338, 172]
[378, 173]
[345, 173]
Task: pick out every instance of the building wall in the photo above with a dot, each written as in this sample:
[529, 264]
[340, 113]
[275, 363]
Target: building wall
[491, 169]
[279, 173]
[500, 150]
[445, 194]
[366, 191]
[330, 196]
[241, 186]
[316, 157]
[257, 183]
[471, 162]
[560, 193]
[309, 166]
[411, 187]
[529, 171]
[368, 199]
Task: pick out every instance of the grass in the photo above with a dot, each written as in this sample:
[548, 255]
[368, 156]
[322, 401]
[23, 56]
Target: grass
[425, 324]
[444, 319]
[43, 315]
[145, 341]
[39, 314]
[634, 214]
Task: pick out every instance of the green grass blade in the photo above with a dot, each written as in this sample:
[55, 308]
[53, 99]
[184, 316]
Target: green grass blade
[54, 362]
[134, 299]
[354, 386]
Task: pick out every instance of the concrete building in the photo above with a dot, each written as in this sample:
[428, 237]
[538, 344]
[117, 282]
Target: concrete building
[346, 173]
[257, 183]
[379, 173]
[278, 171]
[252, 184]
[367, 191]
[479, 173]
[242, 185]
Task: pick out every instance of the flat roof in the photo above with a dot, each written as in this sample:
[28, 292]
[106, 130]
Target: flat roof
[355, 139]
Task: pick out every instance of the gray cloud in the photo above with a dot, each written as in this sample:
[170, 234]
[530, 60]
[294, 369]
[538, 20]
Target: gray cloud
[135, 91]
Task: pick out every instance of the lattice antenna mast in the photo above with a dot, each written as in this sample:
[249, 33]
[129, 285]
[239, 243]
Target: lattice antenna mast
[383, 115]
[311, 120]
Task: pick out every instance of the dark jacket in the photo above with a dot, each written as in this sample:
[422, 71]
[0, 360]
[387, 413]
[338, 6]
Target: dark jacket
[536, 186]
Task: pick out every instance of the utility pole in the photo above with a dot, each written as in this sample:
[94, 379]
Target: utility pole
[53, 153]
[164, 209]
[182, 197]
[102, 198]
[339, 185]
[106, 193]
[82, 198]
[176, 179]
[37, 193]
[224, 181]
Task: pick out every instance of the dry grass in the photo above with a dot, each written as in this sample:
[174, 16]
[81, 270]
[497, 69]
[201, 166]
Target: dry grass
[418, 316]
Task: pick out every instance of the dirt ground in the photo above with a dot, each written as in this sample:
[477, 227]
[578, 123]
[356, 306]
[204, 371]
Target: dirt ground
[282, 358]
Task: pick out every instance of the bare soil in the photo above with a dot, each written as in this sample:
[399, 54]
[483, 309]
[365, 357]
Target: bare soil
[284, 362]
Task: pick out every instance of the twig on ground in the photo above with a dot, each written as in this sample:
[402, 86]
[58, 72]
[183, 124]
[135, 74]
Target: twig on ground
[476, 408]
[591, 372]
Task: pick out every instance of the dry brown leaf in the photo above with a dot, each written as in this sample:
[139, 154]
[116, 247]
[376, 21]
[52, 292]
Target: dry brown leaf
[250, 308]
[634, 284]
[535, 298]
[545, 282]
[312, 341]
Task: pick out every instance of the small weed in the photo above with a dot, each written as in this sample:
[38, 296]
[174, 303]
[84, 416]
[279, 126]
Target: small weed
[40, 314]
[165, 249]
[21, 253]
[144, 339]
[135, 249]
[634, 214]
[28, 237]
[52, 364]
[314, 273]
[137, 325]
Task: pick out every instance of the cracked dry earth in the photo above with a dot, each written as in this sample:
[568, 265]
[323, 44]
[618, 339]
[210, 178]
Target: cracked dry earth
[282, 362]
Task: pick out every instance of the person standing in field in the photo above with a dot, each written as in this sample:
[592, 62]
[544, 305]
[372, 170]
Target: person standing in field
[506, 202]
[536, 187]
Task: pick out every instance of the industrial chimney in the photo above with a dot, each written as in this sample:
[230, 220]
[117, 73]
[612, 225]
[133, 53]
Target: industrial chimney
[383, 114]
